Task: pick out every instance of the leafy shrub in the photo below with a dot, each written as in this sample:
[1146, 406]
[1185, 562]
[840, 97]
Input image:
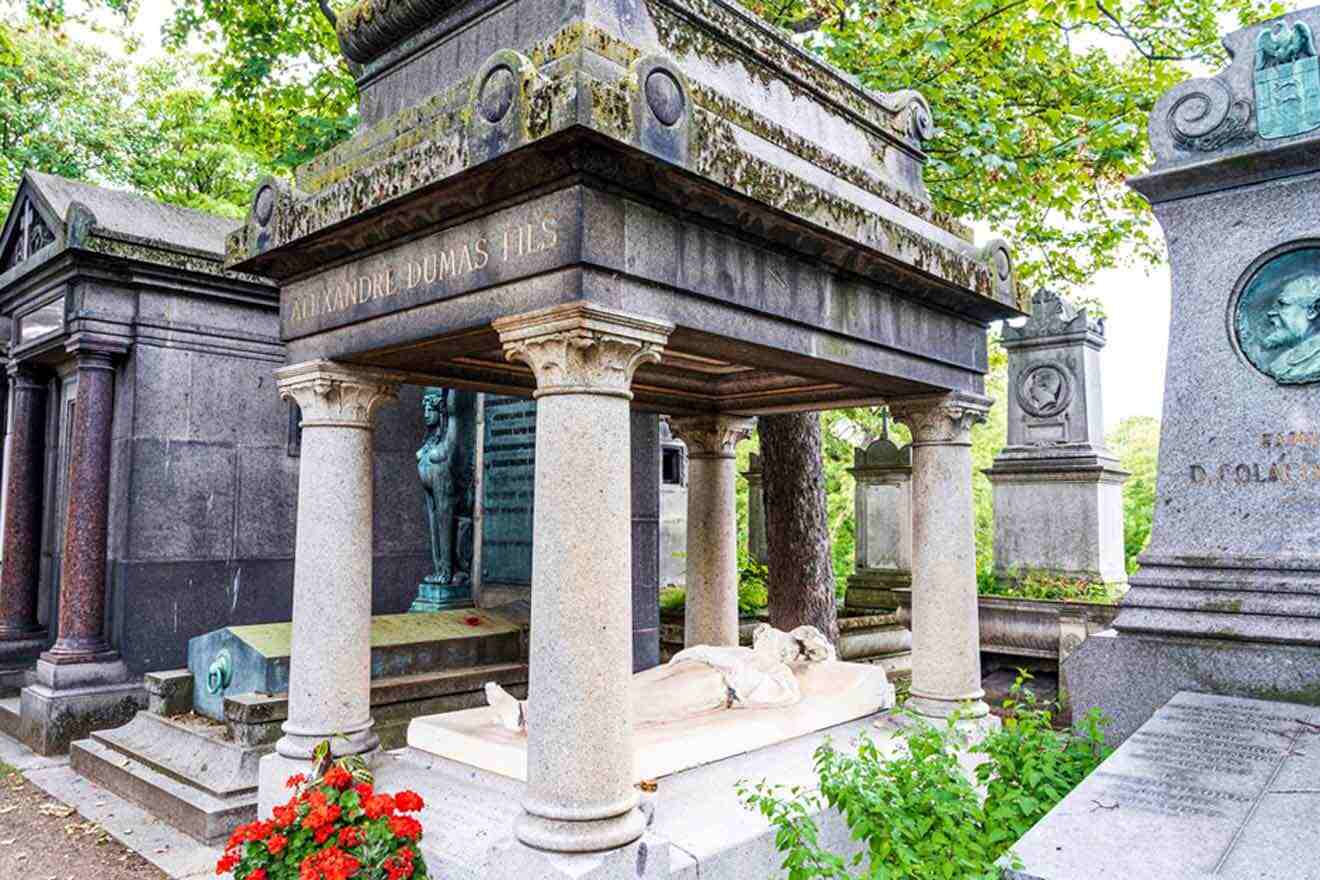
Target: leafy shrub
[917, 812]
[1043, 585]
[753, 595]
[335, 826]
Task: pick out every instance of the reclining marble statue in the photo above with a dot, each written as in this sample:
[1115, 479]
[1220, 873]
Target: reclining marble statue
[706, 679]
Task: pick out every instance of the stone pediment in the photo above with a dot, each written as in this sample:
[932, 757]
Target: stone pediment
[31, 228]
[1052, 317]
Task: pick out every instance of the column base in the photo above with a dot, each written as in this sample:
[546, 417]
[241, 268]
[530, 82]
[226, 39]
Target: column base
[354, 740]
[65, 675]
[644, 859]
[53, 717]
[21, 651]
[273, 772]
[435, 595]
[597, 835]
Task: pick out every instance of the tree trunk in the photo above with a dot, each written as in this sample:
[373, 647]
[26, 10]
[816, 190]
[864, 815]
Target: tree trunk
[801, 581]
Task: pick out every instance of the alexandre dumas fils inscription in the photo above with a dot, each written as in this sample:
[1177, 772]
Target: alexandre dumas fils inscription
[1277, 317]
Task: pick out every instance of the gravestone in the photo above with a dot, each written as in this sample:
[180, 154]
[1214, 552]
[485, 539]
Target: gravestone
[1058, 492]
[882, 511]
[1209, 787]
[1228, 596]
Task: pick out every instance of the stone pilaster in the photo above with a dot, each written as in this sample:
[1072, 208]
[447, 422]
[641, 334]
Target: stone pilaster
[21, 636]
[946, 654]
[711, 615]
[81, 635]
[580, 794]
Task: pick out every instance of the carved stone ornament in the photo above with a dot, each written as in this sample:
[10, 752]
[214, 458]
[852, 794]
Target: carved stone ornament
[1276, 317]
[711, 436]
[330, 394]
[941, 418]
[580, 348]
[1052, 315]
[1044, 390]
[1287, 80]
[1206, 116]
[369, 28]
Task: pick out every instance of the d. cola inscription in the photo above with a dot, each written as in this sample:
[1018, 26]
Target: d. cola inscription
[1243, 473]
[445, 263]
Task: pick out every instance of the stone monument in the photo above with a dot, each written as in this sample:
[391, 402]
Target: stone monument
[756, 544]
[446, 468]
[1058, 492]
[882, 516]
[1227, 600]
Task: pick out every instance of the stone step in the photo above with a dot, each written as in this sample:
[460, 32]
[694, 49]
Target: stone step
[193, 811]
[255, 719]
[199, 752]
[10, 721]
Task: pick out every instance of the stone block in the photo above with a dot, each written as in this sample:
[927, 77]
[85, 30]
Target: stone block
[267, 502]
[169, 692]
[1208, 786]
[52, 719]
[255, 659]
[183, 500]
[1128, 677]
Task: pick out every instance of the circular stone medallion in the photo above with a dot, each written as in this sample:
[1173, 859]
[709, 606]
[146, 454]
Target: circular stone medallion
[496, 95]
[1276, 317]
[264, 206]
[664, 96]
[1044, 390]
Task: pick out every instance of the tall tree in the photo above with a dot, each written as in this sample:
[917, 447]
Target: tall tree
[801, 574]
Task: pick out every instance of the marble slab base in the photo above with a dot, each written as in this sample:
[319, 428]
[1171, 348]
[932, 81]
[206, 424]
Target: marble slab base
[833, 694]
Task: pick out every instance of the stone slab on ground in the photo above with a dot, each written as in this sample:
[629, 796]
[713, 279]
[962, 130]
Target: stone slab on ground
[833, 693]
[1210, 786]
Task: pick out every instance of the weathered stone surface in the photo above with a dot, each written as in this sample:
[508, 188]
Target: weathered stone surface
[882, 511]
[169, 692]
[1209, 786]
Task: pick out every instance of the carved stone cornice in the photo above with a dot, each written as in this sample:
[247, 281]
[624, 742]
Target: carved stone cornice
[711, 436]
[941, 418]
[331, 394]
[581, 348]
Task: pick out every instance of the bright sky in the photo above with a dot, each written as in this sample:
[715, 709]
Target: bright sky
[1136, 300]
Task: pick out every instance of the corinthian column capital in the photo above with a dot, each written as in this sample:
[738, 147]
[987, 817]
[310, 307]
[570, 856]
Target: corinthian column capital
[711, 436]
[941, 418]
[580, 348]
[328, 393]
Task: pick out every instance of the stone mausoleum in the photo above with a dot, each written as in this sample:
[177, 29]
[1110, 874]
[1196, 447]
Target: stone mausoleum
[613, 208]
[150, 471]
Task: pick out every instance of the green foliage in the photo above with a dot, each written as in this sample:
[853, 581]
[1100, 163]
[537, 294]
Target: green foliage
[1043, 585]
[63, 109]
[1136, 442]
[1041, 105]
[278, 63]
[916, 810]
[753, 594]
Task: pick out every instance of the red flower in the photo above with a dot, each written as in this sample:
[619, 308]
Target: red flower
[405, 827]
[295, 780]
[324, 833]
[330, 863]
[285, 815]
[226, 864]
[259, 874]
[337, 777]
[408, 802]
[349, 837]
[276, 844]
[364, 791]
[379, 805]
[320, 815]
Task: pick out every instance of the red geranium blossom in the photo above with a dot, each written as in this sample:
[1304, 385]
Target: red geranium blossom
[295, 780]
[406, 827]
[408, 802]
[364, 791]
[379, 805]
[227, 863]
[337, 777]
[349, 837]
[259, 874]
[275, 845]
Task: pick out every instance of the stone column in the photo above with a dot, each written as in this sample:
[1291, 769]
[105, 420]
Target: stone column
[330, 662]
[946, 650]
[580, 794]
[21, 636]
[83, 576]
[711, 616]
[756, 542]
